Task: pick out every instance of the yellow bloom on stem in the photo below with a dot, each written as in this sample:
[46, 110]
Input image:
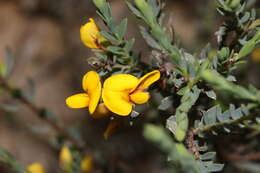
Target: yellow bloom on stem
[90, 35]
[121, 91]
[35, 168]
[65, 158]
[92, 86]
[87, 164]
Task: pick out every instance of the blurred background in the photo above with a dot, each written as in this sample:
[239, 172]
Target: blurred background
[44, 37]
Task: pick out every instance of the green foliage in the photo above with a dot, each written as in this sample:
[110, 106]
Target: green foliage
[9, 160]
[215, 119]
[6, 66]
[191, 84]
[187, 101]
[177, 153]
[180, 158]
[236, 91]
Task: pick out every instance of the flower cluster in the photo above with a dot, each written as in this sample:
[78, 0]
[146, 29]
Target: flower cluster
[119, 92]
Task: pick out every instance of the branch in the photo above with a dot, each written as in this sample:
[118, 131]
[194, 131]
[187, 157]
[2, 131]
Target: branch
[222, 124]
[40, 112]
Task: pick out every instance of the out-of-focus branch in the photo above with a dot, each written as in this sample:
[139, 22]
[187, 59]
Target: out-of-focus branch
[40, 112]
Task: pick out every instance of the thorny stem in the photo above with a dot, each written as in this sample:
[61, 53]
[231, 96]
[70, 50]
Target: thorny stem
[39, 112]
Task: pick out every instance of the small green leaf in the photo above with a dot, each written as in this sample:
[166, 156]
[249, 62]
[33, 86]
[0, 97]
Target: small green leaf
[166, 103]
[215, 167]
[182, 126]
[245, 18]
[208, 156]
[246, 49]
[116, 50]
[211, 94]
[8, 64]
[129, 45]
[171, 124]
[121, 29]
[108, 36]
[231, 78]
[210, 116]
[149, 39]
[135, 10]
[183, 90]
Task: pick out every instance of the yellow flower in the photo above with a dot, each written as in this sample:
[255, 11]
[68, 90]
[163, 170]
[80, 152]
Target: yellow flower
[121, 91]
[92, 86]
[65, 158]
[35, 168]
[256, 55]
[87, 164]
[90, 35]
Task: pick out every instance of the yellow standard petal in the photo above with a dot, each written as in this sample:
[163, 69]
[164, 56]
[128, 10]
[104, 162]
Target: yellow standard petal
[92, 85]
[140, 97]
[121, 82]
[87, 164]
[65, 158]
[78, 101]
[35, 168]
[90, 34]
[147, 80]
[117, 102]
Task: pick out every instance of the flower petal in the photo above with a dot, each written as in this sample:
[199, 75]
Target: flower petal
[87, 164]
[92, 85]
[78, 101]
[117, 102]
[65, 158]
[35, 168]
[90, 81]
[147, 80]
[121, 82]
[140, 97]
[89, 34]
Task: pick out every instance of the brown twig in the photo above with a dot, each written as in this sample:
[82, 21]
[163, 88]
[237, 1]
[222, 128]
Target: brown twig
[240, 157]
[39, 112]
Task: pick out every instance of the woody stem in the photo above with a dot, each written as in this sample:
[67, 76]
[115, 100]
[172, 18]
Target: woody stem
[40, 112]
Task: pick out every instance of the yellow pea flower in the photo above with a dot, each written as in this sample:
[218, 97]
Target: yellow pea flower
[35, 168]
[121, 91]
[90, 35]
[256, 55]
[65, 158]
[87, 164]
[92, 86]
